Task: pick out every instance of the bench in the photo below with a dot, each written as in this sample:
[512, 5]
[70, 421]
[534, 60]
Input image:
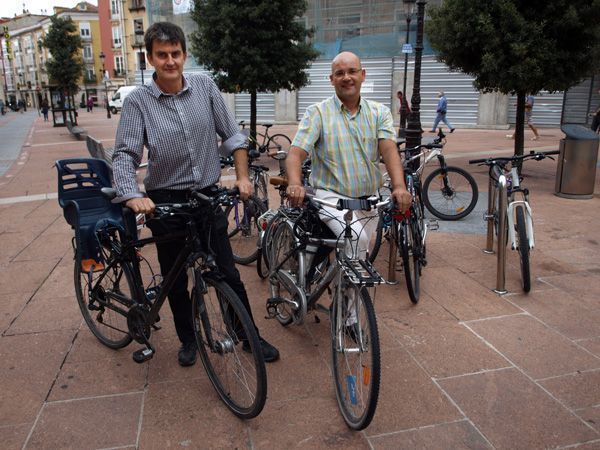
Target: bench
[97, 150]
[76, 131]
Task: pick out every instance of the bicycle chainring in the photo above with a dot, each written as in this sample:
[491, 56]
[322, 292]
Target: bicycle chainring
[139, 329]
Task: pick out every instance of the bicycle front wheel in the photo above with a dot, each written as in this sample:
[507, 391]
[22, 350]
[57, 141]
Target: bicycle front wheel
[523, 247]
[279, 144]
[105, 309]
[408, 246]
[223, 329]
[355, 354]
[243, 229]
[450, 193]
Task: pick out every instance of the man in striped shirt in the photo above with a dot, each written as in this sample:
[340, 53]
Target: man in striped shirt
[345, 135]
[177, 117]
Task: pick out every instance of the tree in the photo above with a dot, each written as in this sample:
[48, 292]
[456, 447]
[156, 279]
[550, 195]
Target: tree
[253, 46]
[518, 46]
[65, 66]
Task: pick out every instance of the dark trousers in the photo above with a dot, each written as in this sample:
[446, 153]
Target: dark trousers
[179, 297]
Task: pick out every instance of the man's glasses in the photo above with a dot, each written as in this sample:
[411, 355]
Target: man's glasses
[342, 73]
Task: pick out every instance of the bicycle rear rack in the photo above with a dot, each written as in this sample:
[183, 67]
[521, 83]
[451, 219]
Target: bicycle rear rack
[361, 272]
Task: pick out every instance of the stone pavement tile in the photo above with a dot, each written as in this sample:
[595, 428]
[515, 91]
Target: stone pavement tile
[87, 348]
[11, 306]
[30, 364]
[582, 285]
[455, 435]
[463, 252]
[100, 422]
[464, 297]
[188, 413]
[583, 258]
[14, 436]
[567, 314]
[539, 351]
[442, 347]
[591, 416]
[60, 282]
[512, 278]
[30, 275]
[12, 244]
[44, 313]
[513, 413]
[309, 423]
[408, 398]
[577, 390]
[591, 345]
[164, 366]
[98, 378]
[45, 247]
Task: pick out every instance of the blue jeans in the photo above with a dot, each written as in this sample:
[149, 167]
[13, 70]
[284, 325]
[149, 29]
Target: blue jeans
[441, 117]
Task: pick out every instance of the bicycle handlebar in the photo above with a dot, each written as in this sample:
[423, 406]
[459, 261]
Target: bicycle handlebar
[365, 204]
[503, 160]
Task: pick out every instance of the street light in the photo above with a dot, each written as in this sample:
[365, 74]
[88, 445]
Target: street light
[102, 58]
[409, 7]
[413, 128]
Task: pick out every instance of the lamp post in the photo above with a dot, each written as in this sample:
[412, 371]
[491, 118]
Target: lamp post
[102, 58]
[141, 57]
[413, 129]
[409, 6]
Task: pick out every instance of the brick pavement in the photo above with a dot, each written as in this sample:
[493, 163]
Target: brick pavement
[465, 368]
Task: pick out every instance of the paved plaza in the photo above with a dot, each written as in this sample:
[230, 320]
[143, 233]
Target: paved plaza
[463, 369]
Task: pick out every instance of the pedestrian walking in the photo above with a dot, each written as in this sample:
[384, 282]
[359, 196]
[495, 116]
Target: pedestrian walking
[21, 106]
[183, 155]
[45, 108]
[442, 109]
[403, 110]
[90, 104]
[529, 102]
[596, 119]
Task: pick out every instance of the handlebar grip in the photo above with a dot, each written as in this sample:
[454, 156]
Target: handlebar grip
[477, 161]
[552, 152]
[434, 145]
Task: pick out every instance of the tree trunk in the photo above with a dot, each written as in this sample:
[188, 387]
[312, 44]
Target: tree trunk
[252, 143]
[520, 124]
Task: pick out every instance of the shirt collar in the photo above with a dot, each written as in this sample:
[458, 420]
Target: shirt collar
[157, 92]
[341, 106]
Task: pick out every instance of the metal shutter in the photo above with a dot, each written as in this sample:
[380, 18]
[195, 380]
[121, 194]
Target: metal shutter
[581, 102]
[547, 109]
[265, 107]
[377, 85]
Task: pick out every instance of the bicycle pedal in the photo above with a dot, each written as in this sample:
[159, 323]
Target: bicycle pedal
[433, 225]
[142, 355]
[272, 304]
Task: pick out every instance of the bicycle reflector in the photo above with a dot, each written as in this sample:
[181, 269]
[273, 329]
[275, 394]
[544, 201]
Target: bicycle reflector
[399, 215]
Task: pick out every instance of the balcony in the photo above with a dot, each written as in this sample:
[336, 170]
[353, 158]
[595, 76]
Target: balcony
[136, 5]
[138, 41]
[118, 73]
[89, 79]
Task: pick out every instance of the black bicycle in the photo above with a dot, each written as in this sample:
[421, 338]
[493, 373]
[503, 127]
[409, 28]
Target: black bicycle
[119, 306]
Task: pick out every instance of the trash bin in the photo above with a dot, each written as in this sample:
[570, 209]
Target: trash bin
[576, 171]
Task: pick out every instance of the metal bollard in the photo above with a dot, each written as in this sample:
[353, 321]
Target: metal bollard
[502, 205]
[393, 253]
[489, 244]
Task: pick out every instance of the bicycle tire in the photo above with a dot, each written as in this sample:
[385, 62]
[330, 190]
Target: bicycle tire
[279, 142]
[453, 195]
[356, 399]
[282, 243]
[221, 323]
[262, 261]
[260, 190]
[106, 316]
[244, 231]
[375, 243]
[523, 247]
[410, 258]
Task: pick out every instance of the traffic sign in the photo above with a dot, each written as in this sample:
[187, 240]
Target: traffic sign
[407, 48]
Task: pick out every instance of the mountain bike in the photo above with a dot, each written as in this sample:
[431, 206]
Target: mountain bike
[119, 305]
[300, 274]
[519, 217]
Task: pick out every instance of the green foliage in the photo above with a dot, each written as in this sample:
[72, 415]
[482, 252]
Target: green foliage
[518, 46]
[253, 45]
[65, 66]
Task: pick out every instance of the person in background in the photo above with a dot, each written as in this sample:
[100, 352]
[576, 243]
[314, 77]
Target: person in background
[90, 104]
[403, 114]
[177, 117]
[45, 108]
[529, 101]
[442, 109]
[596, 120]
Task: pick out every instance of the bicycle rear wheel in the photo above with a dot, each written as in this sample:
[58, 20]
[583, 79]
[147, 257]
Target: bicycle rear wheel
[243, 231]
[523, 247]
[355, 355]
[281, 253]
[221, 325]
[105, 310]
[262, 261]
[408, 243]
[279, 144]
[450, 193]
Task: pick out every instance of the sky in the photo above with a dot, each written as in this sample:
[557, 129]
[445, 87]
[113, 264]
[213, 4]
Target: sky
[8, 8]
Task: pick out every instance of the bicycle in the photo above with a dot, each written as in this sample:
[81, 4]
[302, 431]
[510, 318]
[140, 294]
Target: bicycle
[298, 279]
[117, 304]
[518, 217]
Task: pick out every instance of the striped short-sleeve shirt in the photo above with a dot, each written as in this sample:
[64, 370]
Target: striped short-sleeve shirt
[180, 132]
[343, 147]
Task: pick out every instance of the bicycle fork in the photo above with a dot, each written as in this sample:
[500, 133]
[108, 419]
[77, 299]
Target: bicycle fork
[512, 235]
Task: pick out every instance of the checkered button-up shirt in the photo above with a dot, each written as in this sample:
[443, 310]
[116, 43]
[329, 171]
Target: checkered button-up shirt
[343, 147]
[180, 132]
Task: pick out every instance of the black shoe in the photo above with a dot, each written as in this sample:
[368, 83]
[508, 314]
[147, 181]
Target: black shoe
[187, 354]
[270, 353]
[432, 131]
[452, 130]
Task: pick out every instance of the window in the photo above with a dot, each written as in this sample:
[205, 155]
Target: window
[90, 74]
[116, 34]
[114, 7]
[87, 52]
[84, 30]
[119, 67]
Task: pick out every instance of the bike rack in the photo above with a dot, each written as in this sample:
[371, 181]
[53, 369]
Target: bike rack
[501, 261]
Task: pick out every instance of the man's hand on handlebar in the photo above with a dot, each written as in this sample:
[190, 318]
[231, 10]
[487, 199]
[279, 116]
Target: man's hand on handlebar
[295, 193]
[140, 205]
[245, 187]
[402, 198]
